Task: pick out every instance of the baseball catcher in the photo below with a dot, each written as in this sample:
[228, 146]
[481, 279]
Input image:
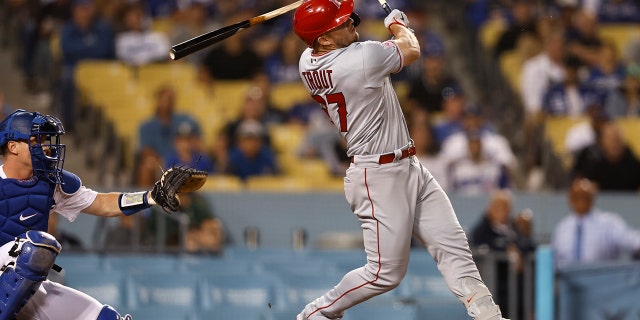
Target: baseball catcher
[32, 185]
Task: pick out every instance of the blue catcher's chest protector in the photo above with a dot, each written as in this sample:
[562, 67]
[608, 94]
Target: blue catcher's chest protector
[24, 205]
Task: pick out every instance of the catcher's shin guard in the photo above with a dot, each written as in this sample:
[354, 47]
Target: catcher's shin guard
[478, 301]
[109, 313]
[19, 281]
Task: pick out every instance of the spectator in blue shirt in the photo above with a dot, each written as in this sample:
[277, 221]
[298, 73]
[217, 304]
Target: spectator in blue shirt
[250, 156]
[155, 136]
[589, 234]
[188, 149]
[86, 36]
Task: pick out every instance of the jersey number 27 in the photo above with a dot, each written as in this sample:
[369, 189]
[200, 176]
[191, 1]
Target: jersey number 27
[337, 99]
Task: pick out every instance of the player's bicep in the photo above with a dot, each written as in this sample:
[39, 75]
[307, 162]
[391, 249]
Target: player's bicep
[380, 59]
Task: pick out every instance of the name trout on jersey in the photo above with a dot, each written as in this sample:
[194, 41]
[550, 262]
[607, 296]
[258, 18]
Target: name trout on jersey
[318, 79]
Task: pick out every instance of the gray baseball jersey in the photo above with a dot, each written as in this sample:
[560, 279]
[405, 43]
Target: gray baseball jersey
[393, 199]
[352, 85]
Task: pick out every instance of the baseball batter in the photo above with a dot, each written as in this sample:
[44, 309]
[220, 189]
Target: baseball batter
[32, 184]
[390, 192]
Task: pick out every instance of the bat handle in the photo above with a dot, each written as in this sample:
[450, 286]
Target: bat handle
[385, 6]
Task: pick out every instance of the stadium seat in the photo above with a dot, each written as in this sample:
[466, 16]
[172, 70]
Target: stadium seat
[255, 290]
[230, 96]
[278, 184]
[620, 33]
[382, 311]
[180, 75]
[490, 32]
[224, 183]
[139, 264]
[630, 127]
[98, 80]
[285, 95]
[315, 170]
[286, 139]
[106, 287]
[453, 310]
[162, 312]
[232, 313]
[156, 289]
[555, 130]
[296, 290]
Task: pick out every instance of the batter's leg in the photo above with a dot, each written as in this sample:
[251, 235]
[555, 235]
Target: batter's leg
[437, 227]
[381, 199]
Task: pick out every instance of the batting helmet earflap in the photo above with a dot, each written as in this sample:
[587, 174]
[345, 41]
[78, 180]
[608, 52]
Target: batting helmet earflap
[315, 17]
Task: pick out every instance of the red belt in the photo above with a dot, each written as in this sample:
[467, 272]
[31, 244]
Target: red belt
[389, 157]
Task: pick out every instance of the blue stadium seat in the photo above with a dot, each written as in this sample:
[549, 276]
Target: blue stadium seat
[106, 287]
[133, 264]
[255, 290]
[160, 312]
[216, 266]
[73, 262]
[296, 290]
[377, 311]
[232, 313]
[175, 289]
[424, 282]
[453, 310]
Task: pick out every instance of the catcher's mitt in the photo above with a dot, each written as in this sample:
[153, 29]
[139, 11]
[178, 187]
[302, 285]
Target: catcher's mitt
[174, 181]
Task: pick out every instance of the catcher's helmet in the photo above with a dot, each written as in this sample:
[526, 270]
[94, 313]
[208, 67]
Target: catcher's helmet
[315, 17]
[21, 125]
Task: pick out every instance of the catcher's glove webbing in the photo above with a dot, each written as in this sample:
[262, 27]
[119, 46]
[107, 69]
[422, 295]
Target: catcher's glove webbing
[174, 181]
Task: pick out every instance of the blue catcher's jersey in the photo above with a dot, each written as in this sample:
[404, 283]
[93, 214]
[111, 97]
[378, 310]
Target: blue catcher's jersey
[24, 205]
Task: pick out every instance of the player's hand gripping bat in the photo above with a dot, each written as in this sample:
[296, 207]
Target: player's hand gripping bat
[200, 42]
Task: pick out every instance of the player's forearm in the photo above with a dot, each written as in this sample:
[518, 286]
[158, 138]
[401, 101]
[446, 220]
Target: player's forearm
[113, 205]
[407, 43]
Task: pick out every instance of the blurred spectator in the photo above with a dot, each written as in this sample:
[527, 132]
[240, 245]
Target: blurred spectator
[426, 91]
[625, 100]
[282, 65]
[233, 59]
[136, 44]
[582, 38]
[86, 36]
[188, 149]
[155, 135]
[476, 172]
[257, 107]
[609, 163]
[494, 145]
[567, 98]
[521, 21]
[161, 8]
[608, 72]
[194, 21]
[585, 133]
[250, 156]
[453, 107]
[618, 11]
[427, 147]
[541, 71]
[498, 232]
[69, 242]
[37, 58]
[195, 226]
[589, 234]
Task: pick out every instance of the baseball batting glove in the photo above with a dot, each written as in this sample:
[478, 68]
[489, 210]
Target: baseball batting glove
[174, 181]
[396, 17]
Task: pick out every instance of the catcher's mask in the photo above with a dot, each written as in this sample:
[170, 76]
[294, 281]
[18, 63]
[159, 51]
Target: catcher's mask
[315, 17]
[47, 153]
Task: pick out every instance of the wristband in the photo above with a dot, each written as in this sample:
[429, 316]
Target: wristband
[130, 203]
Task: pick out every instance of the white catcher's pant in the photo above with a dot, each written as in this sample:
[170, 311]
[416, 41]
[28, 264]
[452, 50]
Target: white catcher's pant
[54, 301]
[393, 202]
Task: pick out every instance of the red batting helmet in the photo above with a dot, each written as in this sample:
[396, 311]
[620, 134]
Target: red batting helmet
[315, 17]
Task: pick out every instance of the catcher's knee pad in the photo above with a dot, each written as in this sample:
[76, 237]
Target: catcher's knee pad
[19, 281]
[478, 301]
[109, 313]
